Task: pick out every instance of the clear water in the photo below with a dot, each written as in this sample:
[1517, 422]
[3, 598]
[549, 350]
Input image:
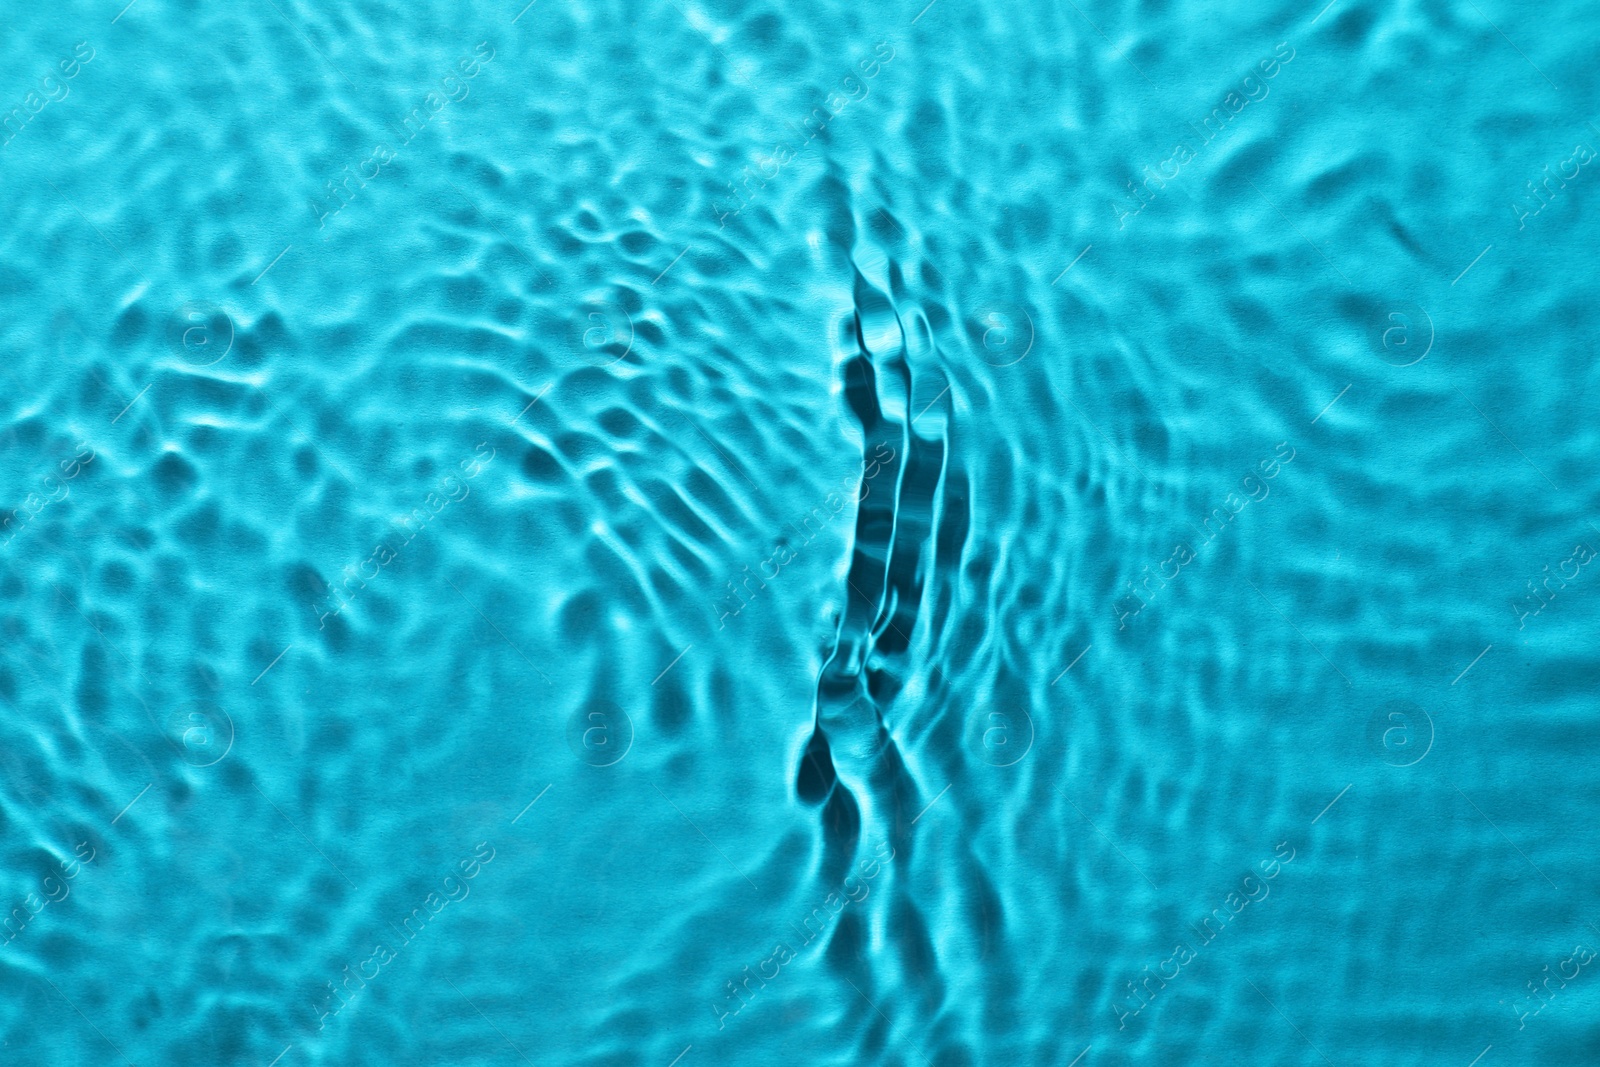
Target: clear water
[740, 533]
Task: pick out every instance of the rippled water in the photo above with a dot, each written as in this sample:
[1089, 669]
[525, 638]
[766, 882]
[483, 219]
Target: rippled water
[737, 533]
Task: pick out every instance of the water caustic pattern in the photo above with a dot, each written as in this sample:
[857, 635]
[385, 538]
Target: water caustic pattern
[741, 532]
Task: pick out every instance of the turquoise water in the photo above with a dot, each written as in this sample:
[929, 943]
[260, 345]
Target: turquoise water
[739, 533]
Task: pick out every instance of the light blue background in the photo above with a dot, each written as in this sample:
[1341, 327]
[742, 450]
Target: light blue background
[268, 799]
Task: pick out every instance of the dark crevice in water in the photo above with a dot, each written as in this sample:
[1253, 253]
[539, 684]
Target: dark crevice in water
[841, 820]
[954, 524]
[816, 769]
[912, 515]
